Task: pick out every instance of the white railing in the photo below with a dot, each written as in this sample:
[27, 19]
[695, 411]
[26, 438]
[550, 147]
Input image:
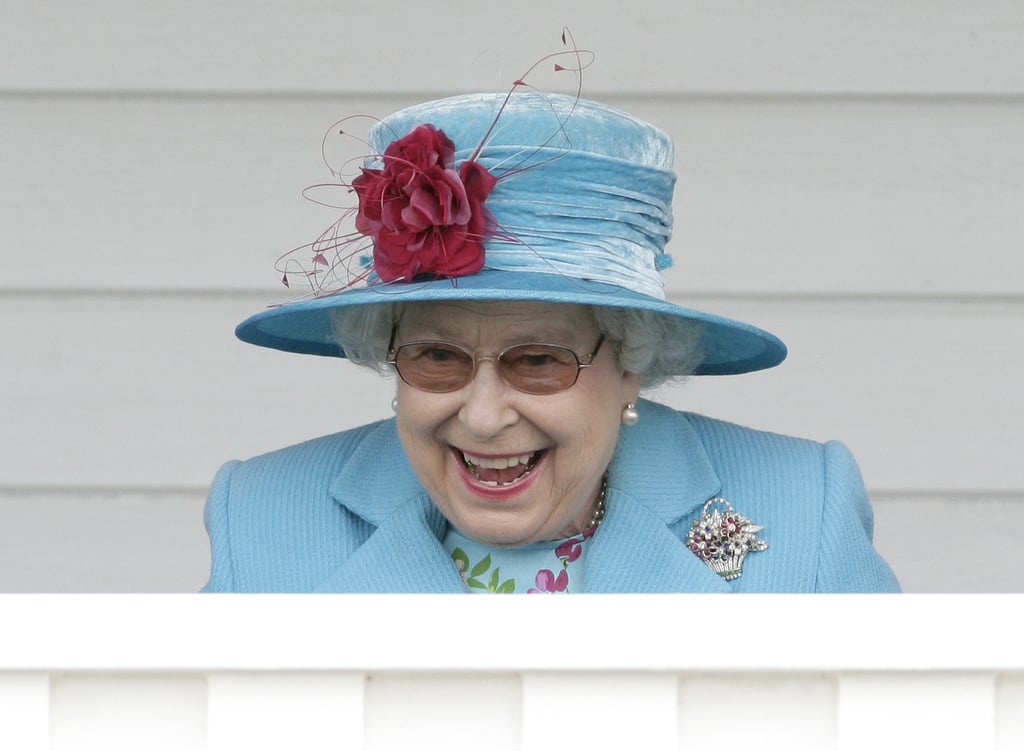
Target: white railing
[216, 672]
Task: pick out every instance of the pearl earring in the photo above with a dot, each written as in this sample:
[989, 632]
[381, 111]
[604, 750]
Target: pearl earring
[394, 404]
[629, 415]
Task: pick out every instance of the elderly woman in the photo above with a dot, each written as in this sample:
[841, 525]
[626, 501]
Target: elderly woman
[514, 290]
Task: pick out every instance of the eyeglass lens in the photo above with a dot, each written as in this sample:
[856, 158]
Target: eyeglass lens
[441, 367]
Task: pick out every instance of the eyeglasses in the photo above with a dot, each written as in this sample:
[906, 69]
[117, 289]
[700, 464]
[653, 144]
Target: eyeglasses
[442, 367]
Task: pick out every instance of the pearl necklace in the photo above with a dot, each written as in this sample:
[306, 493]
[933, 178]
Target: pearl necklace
[598, 516]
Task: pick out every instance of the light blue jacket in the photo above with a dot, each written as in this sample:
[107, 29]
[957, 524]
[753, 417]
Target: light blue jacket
[345, 513]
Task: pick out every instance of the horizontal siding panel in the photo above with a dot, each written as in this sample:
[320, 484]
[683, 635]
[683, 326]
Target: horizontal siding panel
[701, 45]
[952, 543]
[849, 197]
[154, 391]
[87, 540]
[775, 196]
[919, 391]
[162, 192]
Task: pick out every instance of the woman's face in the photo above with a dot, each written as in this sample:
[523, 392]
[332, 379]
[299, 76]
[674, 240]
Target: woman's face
[456, 441]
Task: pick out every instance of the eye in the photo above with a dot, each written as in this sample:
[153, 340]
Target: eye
[433, 355]
[535, 359]
[538, 357]
[441, 354]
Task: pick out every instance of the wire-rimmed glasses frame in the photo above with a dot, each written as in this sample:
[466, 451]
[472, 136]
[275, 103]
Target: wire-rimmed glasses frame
[440, 367]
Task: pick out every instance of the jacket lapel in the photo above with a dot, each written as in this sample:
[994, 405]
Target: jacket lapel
[634, 551]
[660, 477]
[403, 552]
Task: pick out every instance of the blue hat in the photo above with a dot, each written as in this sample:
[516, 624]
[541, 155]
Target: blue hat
[520, 197]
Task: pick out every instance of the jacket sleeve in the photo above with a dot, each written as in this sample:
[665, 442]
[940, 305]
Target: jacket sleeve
[216, 519]
[847, 561]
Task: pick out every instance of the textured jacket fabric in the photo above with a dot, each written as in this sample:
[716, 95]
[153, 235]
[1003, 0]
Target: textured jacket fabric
[346, 513]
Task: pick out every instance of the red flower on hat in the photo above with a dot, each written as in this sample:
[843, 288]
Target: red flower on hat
[425, 218]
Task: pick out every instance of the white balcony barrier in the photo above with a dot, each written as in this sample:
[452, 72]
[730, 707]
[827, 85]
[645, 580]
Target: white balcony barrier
[191, 672]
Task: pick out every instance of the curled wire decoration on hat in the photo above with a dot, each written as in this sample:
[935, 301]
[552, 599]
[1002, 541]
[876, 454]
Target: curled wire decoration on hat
[422, 209]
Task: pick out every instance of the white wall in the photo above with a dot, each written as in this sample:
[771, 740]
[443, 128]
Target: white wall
[851, 177]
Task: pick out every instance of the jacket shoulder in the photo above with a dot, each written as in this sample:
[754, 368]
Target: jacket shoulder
[722, 435]
[324, 454]
[265, 514]
[773, 463]
[810, 498]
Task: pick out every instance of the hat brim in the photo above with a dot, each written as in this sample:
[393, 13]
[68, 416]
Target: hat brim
[730, 347]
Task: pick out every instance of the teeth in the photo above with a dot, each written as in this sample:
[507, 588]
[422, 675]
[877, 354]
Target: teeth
[501, 462]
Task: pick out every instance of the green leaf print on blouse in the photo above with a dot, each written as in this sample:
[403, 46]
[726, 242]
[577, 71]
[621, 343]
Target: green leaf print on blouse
[530, 564]
[472, 579]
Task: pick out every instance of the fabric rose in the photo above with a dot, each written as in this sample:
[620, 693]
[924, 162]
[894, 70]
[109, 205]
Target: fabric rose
[425, 218]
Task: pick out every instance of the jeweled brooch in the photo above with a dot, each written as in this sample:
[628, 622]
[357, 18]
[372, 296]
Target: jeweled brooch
[722, 538]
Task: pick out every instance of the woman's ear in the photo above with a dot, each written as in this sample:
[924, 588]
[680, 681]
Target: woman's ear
[630, 387]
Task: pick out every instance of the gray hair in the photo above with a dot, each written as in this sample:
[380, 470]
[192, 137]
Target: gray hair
[658, 347]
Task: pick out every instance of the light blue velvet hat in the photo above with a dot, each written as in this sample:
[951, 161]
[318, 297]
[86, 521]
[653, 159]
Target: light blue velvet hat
[580, 212]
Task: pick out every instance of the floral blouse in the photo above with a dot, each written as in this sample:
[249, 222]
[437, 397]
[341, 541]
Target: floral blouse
[551, 567]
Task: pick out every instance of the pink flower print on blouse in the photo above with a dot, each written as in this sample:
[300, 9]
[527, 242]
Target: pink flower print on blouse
[548, 583]
[461, 561]
[570, 550]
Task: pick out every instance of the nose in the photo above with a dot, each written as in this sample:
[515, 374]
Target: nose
[487, 408]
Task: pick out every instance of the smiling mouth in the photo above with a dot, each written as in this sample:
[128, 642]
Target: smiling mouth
[500, 471]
